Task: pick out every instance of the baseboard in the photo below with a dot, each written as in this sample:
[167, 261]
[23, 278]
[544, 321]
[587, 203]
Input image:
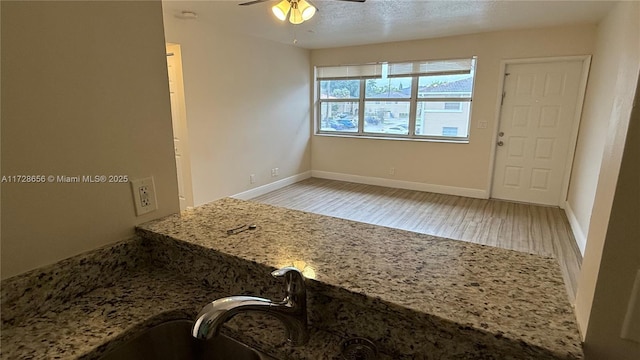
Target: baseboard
[409, 185]
[581, 239]
[261, 190]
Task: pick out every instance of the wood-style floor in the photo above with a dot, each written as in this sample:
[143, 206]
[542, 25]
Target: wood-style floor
[528, 228]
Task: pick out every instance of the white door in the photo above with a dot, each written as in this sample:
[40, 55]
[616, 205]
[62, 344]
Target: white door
[178, 117]
[538, 112]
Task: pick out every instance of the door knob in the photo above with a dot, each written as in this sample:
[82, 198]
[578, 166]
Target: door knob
[501, 134]
[500, 143]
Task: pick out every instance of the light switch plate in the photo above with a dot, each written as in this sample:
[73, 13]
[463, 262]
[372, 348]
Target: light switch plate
[144, 195]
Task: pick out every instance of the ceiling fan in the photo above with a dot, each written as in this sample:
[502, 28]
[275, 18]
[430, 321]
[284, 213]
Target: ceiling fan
[301, 10]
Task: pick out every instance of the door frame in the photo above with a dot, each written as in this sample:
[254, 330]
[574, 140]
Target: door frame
[586, 63]
[175, 50]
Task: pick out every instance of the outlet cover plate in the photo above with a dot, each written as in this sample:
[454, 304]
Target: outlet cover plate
[144, 195]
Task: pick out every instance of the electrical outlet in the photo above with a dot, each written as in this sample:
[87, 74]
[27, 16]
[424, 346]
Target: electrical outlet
[482, 125]
[144, 195]
[252, 178]
[143, 192]
[275, 172]
[392, 171]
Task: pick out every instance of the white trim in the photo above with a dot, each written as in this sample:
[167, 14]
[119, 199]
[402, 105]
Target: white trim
[586, 63]
[261, 190]
[547, 59]
[180, 125]
[401, 184]
[581, 238]
[494, 138]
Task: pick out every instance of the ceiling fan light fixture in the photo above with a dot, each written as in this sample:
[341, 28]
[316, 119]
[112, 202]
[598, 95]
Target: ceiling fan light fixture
[296, 15]
[306, 9]
[281, 9]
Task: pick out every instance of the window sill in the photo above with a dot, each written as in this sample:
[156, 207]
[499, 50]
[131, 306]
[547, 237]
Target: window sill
[395, 138]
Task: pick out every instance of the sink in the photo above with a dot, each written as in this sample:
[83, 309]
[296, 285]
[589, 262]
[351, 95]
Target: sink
[172, 340]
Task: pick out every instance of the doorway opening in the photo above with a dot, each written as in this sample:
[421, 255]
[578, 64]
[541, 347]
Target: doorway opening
[179, 121]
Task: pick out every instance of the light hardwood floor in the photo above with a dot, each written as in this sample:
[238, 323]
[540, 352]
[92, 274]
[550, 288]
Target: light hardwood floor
[528, 228]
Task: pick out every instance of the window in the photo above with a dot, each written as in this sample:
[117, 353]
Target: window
[416, 100]
[339, 105]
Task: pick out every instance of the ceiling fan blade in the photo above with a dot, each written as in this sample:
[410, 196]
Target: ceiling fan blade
[252, 2]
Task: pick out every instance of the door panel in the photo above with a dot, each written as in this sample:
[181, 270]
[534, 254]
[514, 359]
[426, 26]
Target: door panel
[536, 120]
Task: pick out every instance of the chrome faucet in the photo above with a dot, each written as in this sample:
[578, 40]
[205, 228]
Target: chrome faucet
[292, 310]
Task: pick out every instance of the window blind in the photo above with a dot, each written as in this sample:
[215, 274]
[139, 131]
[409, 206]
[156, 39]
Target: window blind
[413, 68]
[431, 67]
[364, 71]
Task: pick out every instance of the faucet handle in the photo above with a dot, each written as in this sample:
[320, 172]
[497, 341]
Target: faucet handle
[295, 304]
[285, 270]
[293, 278]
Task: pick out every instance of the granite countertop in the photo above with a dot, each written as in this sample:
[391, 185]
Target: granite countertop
[365, 280]
[502, 292]
[95, 322]
[75, 329]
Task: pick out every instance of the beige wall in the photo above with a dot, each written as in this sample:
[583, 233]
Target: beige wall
[611, 255]
[84, 92]
[614, 39]
[445, 164]
[620, 259]
[247, 103]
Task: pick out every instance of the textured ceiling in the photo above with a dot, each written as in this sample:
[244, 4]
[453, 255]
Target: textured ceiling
[341, 23]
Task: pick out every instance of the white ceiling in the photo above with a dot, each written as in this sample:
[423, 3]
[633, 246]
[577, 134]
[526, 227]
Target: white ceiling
[340, 23]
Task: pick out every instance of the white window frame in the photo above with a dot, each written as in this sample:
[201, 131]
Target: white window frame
[377, 71]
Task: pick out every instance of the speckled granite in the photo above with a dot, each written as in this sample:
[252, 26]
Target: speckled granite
[415, 295]
[57, 284]
[90, 324]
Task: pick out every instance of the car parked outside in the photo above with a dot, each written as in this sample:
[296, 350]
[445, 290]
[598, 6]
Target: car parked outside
[372, 120]
[348, 124]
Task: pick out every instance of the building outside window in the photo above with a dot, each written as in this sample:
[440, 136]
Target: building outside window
[449, 131]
